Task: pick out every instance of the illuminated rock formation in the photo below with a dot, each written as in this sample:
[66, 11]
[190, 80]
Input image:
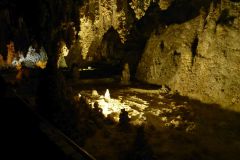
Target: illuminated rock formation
[62, 53]
[198, 58]
[11, 53]
[164, 4]
[97, 17]
[95, 93]
[140, 7]
[107, 96]
[42, 62]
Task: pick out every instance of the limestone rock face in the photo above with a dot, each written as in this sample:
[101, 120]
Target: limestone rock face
[199, 58]
[96, 18]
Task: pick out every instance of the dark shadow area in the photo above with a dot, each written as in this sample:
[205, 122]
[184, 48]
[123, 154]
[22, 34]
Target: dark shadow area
[139, 34]
[101, 71]
[194, 48]
[225, 18]
[27, 135]
[21, 137]
[184, 10]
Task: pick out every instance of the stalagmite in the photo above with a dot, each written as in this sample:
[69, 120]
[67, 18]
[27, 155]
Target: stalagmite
[11, 53]
[107, 95]
[1, 61]
[125, 79]
[63, 52]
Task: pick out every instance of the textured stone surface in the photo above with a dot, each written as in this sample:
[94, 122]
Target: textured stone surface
[97, 17]
[199, 58]
[140, 7]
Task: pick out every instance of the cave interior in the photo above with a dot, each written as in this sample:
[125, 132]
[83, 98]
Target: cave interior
[120, 79]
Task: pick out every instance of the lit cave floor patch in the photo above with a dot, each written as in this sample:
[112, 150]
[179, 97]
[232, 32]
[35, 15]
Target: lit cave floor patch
[173, 127]
[143, 106]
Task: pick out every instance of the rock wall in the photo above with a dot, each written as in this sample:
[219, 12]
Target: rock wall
[96, 18]
[199, 58]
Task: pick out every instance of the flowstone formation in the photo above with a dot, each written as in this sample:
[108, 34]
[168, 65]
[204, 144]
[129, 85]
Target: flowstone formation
[198, 58]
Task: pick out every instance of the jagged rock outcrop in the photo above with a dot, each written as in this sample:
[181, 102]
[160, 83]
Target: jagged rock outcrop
[198, 58]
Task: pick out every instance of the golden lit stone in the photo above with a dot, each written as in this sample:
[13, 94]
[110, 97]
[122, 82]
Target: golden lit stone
[41, 64]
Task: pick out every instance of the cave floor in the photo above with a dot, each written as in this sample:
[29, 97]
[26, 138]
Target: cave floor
[175, 127]
[162, 125]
